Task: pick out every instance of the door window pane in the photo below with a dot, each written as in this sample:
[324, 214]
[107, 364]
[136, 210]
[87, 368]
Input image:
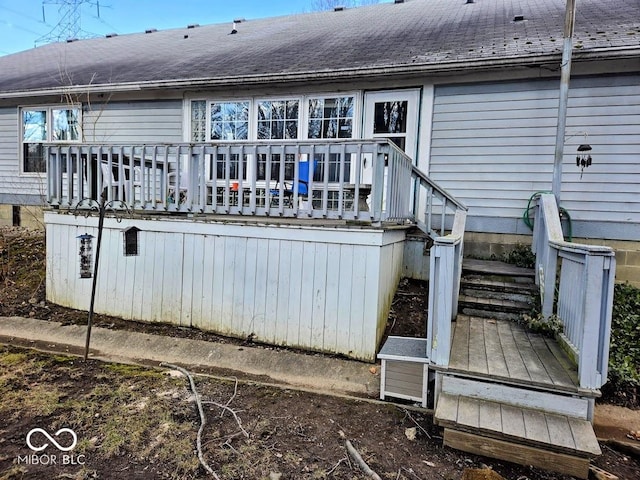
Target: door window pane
[390, 117]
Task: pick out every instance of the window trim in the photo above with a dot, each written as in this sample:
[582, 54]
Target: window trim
[49, 109]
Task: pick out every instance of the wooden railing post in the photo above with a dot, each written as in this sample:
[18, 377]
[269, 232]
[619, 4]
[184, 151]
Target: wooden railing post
[594, 355]
[444, 267]
[547, 229]
[377, 189]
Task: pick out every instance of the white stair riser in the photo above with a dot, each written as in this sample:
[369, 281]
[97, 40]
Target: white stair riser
[519, 397]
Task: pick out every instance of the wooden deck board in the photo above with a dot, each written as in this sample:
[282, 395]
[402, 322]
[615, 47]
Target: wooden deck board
[560, 431]
[535, 426]
[555, 371]
[447, 409]
[490, 416]
[537, 373]
[493, 267]
[496, 363]
[563, 360]
[512, 421]
[477, 347]
[460, 344]
[584, 437]
[468, 412]
[515, 365]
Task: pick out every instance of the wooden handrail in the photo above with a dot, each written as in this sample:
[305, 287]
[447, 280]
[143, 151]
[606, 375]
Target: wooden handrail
[585, 294]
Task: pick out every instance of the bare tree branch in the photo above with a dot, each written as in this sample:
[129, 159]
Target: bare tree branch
[203, 420]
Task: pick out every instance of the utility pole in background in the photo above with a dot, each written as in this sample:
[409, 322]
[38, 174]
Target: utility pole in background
[569, 23]
[69, 25]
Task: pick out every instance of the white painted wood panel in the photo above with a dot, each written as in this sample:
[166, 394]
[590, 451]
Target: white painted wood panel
[325, 289]
[492, 147]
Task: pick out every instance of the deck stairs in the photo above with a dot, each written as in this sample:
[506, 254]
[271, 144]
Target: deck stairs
[492, 289]
[509, 393]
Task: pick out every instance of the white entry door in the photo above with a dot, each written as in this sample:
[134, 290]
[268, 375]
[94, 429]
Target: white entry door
[393, 114]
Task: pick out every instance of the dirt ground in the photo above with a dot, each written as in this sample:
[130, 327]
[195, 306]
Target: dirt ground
[139, 423]
[135, 423]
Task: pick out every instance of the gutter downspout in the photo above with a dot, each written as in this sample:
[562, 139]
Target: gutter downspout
[569, 23]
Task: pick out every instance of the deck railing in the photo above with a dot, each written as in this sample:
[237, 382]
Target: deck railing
[352, 180]
[433, 206]
[583, 300]
[445, 270]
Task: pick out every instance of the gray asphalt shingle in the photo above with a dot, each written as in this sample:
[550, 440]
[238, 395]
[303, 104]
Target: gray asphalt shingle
[417, 34]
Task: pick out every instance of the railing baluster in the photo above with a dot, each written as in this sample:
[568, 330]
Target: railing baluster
[357, 181]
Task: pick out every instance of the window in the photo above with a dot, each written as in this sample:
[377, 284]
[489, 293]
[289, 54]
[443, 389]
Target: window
[46, 124]
[278, 119]
[198, 121]
[331, 117]
[272, 119]
[229, 120]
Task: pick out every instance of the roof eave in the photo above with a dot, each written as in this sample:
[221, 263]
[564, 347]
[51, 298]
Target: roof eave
[444, 67]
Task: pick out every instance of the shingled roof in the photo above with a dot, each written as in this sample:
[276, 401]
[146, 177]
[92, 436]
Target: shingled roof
[411, 37]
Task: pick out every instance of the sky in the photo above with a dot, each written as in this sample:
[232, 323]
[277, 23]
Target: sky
[22, 23]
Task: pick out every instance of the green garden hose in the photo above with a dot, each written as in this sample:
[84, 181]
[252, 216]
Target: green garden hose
[564, 214]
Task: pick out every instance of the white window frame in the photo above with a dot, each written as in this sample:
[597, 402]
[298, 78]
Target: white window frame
[303, 114]
[357, 106]
[48, 109]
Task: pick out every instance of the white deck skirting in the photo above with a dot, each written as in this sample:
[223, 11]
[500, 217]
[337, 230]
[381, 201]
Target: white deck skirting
[319, 288]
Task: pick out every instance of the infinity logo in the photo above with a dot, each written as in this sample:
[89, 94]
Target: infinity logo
[50, 438]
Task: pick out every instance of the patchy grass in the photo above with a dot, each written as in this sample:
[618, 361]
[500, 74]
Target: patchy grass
[119, 412]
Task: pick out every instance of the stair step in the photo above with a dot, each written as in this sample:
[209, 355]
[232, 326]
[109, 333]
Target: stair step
[486, 293]
[550, 399]
[522, 435]
[494, 267]
[480, 283]
[486, 307]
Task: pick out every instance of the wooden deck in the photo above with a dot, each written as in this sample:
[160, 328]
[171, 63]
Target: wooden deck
[514, 395]
[503, 350]
[563, 433]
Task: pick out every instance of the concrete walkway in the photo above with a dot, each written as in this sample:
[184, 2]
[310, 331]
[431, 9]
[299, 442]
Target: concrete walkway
[316, 372]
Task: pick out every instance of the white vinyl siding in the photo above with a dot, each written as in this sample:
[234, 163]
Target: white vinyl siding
[493, 146]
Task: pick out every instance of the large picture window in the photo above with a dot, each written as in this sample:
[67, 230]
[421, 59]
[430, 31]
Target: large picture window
[46, 124]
